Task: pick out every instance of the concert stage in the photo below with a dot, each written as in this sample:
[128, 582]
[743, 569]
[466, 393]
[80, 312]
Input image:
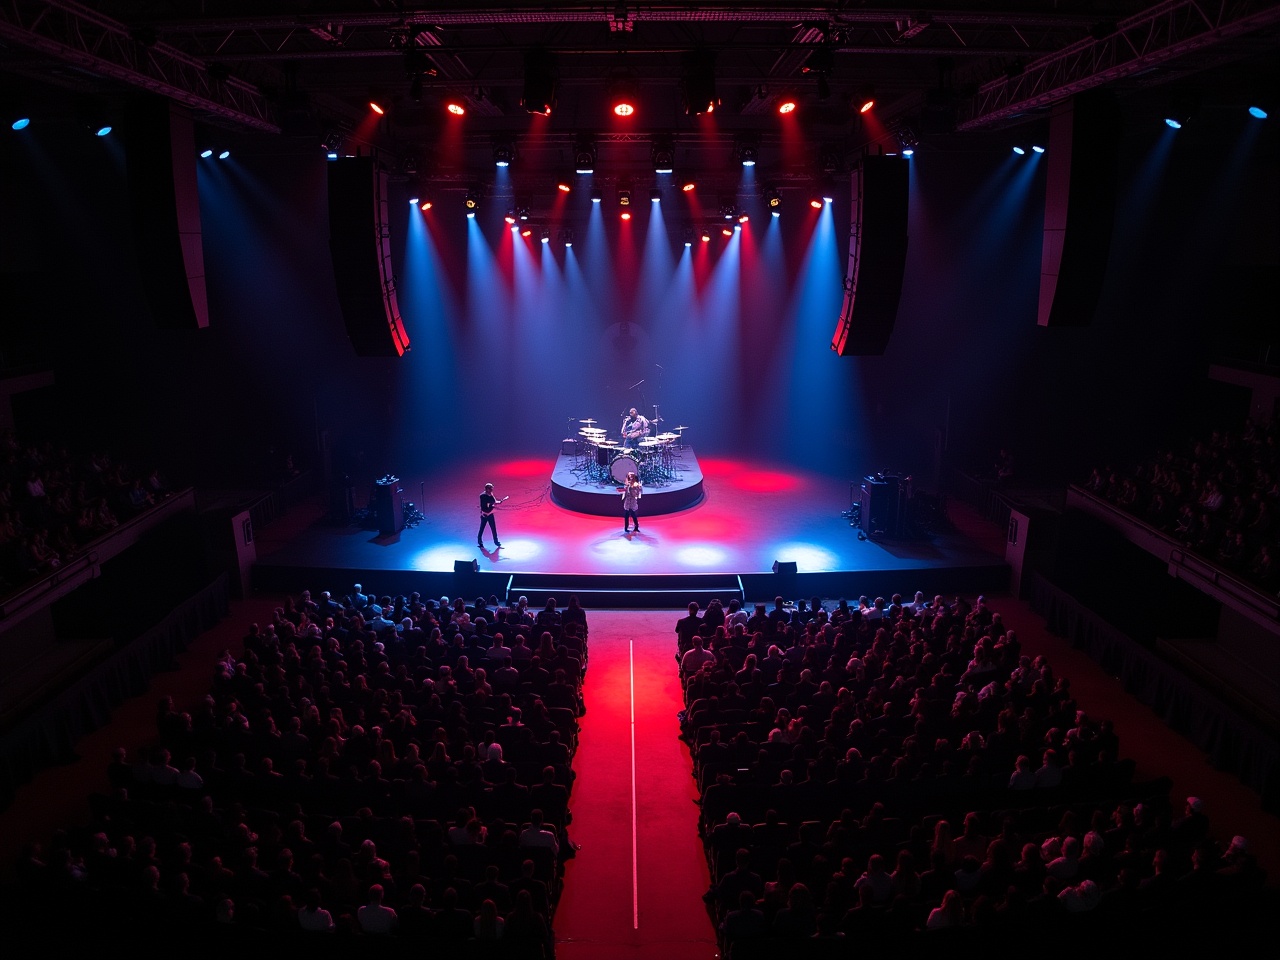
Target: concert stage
[750, 514]
[579, 484]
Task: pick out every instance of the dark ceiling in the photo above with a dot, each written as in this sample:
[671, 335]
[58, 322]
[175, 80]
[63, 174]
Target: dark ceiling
[309, 69]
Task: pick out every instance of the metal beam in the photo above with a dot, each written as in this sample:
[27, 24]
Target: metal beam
[1155, 36]
[75, 34]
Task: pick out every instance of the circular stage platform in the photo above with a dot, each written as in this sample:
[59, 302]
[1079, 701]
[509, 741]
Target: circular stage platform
[573, 489]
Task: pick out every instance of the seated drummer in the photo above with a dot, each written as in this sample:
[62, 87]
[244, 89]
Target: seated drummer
[634, 427]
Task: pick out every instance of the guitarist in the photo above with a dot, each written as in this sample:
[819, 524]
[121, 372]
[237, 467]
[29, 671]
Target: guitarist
[487, 504]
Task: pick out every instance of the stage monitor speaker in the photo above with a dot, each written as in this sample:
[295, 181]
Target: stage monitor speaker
[785, 566]
[360, 246]
[388, 503]
[466, 566]
[879, 506]
[877, 257]
[160, 153]
[1079, 208]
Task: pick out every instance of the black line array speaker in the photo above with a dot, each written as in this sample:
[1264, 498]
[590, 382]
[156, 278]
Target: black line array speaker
[360, 245]
[160, 154]
[877, 257]
[1079, 208]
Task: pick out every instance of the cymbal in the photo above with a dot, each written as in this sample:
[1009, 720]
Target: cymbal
[586, 421]
[684, 428]
[666, 436]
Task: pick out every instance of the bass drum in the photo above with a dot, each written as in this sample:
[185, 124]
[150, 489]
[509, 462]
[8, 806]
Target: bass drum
[623, 464]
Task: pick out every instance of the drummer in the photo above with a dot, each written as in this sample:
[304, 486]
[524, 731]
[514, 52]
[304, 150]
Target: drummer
[634, 427]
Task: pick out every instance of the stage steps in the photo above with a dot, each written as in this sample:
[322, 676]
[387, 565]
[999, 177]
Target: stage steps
[672, 591]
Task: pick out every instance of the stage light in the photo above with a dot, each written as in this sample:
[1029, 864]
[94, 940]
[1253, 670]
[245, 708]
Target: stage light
[539, 82]
[522, 213]
[1037, 149]
[688, 236]
[504, 152]
[1019, 151]
[426, 205]
[706, 236]
[828, 198]
[23, 122]
[773, 200]
[699, 84]
[743, 218]
[688, 186]
[566, 237]
[564, 185]
[622, 95]
[471, 214]
[596, 195]
[103, 130]
[748, 153]
[655, 195]
[663, 154]
[908, 151]
[726, 231]
[331, 154]
[625, 215]
[224, 154]
[472, 201]
[584, 156]
[526, 232]
[206, 154]
[377, 108]
[413, 201]
[1257, 113]
[1173, 122]
[727, 211]
[867, 105]
[456, 108]
[624, 197]
[510, 218]
[787, 106]
[546, 236]
[815, 203]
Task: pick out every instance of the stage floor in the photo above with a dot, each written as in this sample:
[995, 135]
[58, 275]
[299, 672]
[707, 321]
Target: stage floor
[751, 515]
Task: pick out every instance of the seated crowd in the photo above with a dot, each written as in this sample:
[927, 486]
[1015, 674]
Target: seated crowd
[1220, 497]
[370, 766]
[892, 767]
[53, 502]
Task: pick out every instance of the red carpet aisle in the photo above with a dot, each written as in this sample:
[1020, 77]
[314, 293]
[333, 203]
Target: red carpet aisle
[615, 905]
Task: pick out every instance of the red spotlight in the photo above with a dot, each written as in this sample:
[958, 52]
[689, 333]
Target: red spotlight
[624, 108]
[626, 214]
[867, 104]
[706, 236]
[455, 108]
[376, 108]
[688, 185]
[727, 232]
[510, 218]
[426, 204]
[563, 185]
[787, 106]
[816, 204]
[743, 218]
[526, 232]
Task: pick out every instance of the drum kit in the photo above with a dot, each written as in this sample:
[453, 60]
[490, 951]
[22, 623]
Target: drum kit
[606, 461]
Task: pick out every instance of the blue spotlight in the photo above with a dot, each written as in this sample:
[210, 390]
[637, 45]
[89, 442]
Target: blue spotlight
[828, 198]
[908, 151]
[23, 122]
[102, 131]
[206, 154]
[1037, 149]
[1171, 122]
[224, 154]
[1256, 112]
[597, 195]
[413, 201]
[471, 214]
[1019, 151]
[331, 155]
